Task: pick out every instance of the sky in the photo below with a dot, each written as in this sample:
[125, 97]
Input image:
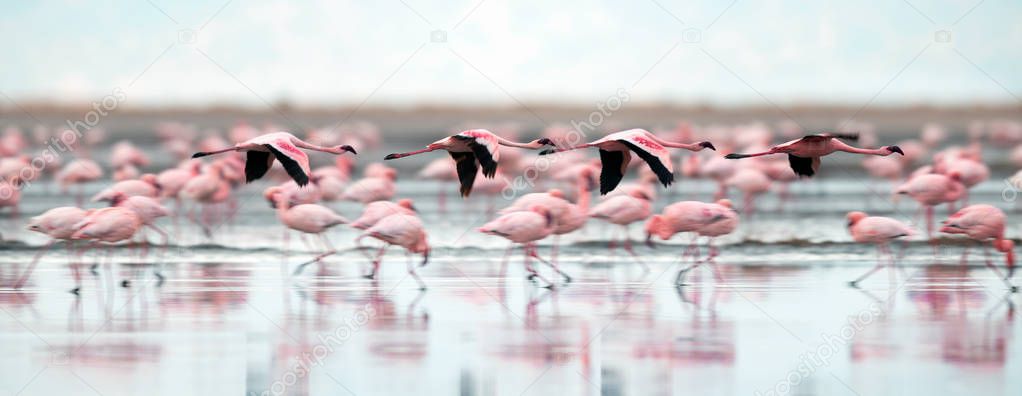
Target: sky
[503, 52]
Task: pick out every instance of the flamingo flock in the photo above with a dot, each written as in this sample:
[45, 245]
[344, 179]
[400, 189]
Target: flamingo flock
[203, 188]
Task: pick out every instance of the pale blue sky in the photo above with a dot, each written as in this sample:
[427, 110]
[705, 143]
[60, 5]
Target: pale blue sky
[500, 51]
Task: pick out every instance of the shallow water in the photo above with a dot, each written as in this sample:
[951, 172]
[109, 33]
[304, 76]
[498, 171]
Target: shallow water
[229, 318]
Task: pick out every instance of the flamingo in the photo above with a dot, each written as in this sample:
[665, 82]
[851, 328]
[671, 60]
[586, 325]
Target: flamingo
[980, 223]
[623, 210]
[375, 211]
[78, 172]
[145, 186]
[525, 228]
[880, 231]
[402, 229]
[704, 219]
[10, 194]
[615, 154]
[285, 148]
[804, 154]
[932, 189]
[58, 224]
[471, 150]
[306, 218]
[369, 189]
[441, 171]
[107, 225]
[752, 182]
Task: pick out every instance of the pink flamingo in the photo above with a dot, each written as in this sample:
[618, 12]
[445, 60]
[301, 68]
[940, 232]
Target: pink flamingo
[932, 189]
[307, 219]
[375, 211]
[208, 188]
[704, 219]
[107, 225]
[880, 231]
[145, 186]
[982, 223]
[284, 147]
[525, 228]
[369, 189]
[442, 171]
[623, 210]
[126, 154]
[752, 182]
[403, 230]
[804, 154]
[471, 149]
[616, 149]
[10, 194]
[78, 172]
[58, 224]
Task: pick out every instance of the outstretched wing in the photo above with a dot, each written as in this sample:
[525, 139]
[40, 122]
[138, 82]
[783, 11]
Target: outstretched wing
[614, 164]
[484, 153]
[827, 136]
[803, 166]
[656, 163]
[256, 165]
[296, 163]
[467, 169]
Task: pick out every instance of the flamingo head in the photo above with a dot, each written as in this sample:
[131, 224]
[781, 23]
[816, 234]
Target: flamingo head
[273, 195]
[407, 204]
[1007, 247]
[151, 179]
[895, 149]
[344, 148]
[725, 203]
[854, 217]
[556, 193]
[656, 226]
[640, 194]
[545, 213]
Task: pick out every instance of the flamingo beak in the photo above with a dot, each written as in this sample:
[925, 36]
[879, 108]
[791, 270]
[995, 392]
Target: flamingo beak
[349, 149]
[896, 149]
[391, 156]
[707, 145]
[425, 258]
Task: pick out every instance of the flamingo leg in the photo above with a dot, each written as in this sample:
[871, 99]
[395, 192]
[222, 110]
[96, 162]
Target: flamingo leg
[989, 264]
[628, 248]
[533, 253]
[411, 271]
[503, 262]
[31, 266]
[880, 264]
[533, 274]
[376, 262]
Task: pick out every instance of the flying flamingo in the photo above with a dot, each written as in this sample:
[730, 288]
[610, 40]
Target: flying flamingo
[307, 219]
[400, 229]
[285, 148]
[616, 149]
[981, 223]
[58, 224]
[880, 231]
[525, 228]
[624, 210]
[804, 154]
[472, 149]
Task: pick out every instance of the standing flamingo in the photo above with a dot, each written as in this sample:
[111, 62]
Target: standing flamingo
[981, 223]
[400, 229]
[376, 211]
[108, 225]
[307, 219]
[804, 154]
[471, 149]
[704, 219]
[932, 189]
[525, 228]
[58, 224]
[880, 231]
[624, 210]
[284, 147]
[616, 149]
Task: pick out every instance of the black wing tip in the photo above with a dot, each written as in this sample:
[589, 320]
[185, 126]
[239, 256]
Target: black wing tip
[548, 151]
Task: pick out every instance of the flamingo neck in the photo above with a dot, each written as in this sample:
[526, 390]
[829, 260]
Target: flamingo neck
[530, 145]
[665, 143]
[315, 147]
[583, 194]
